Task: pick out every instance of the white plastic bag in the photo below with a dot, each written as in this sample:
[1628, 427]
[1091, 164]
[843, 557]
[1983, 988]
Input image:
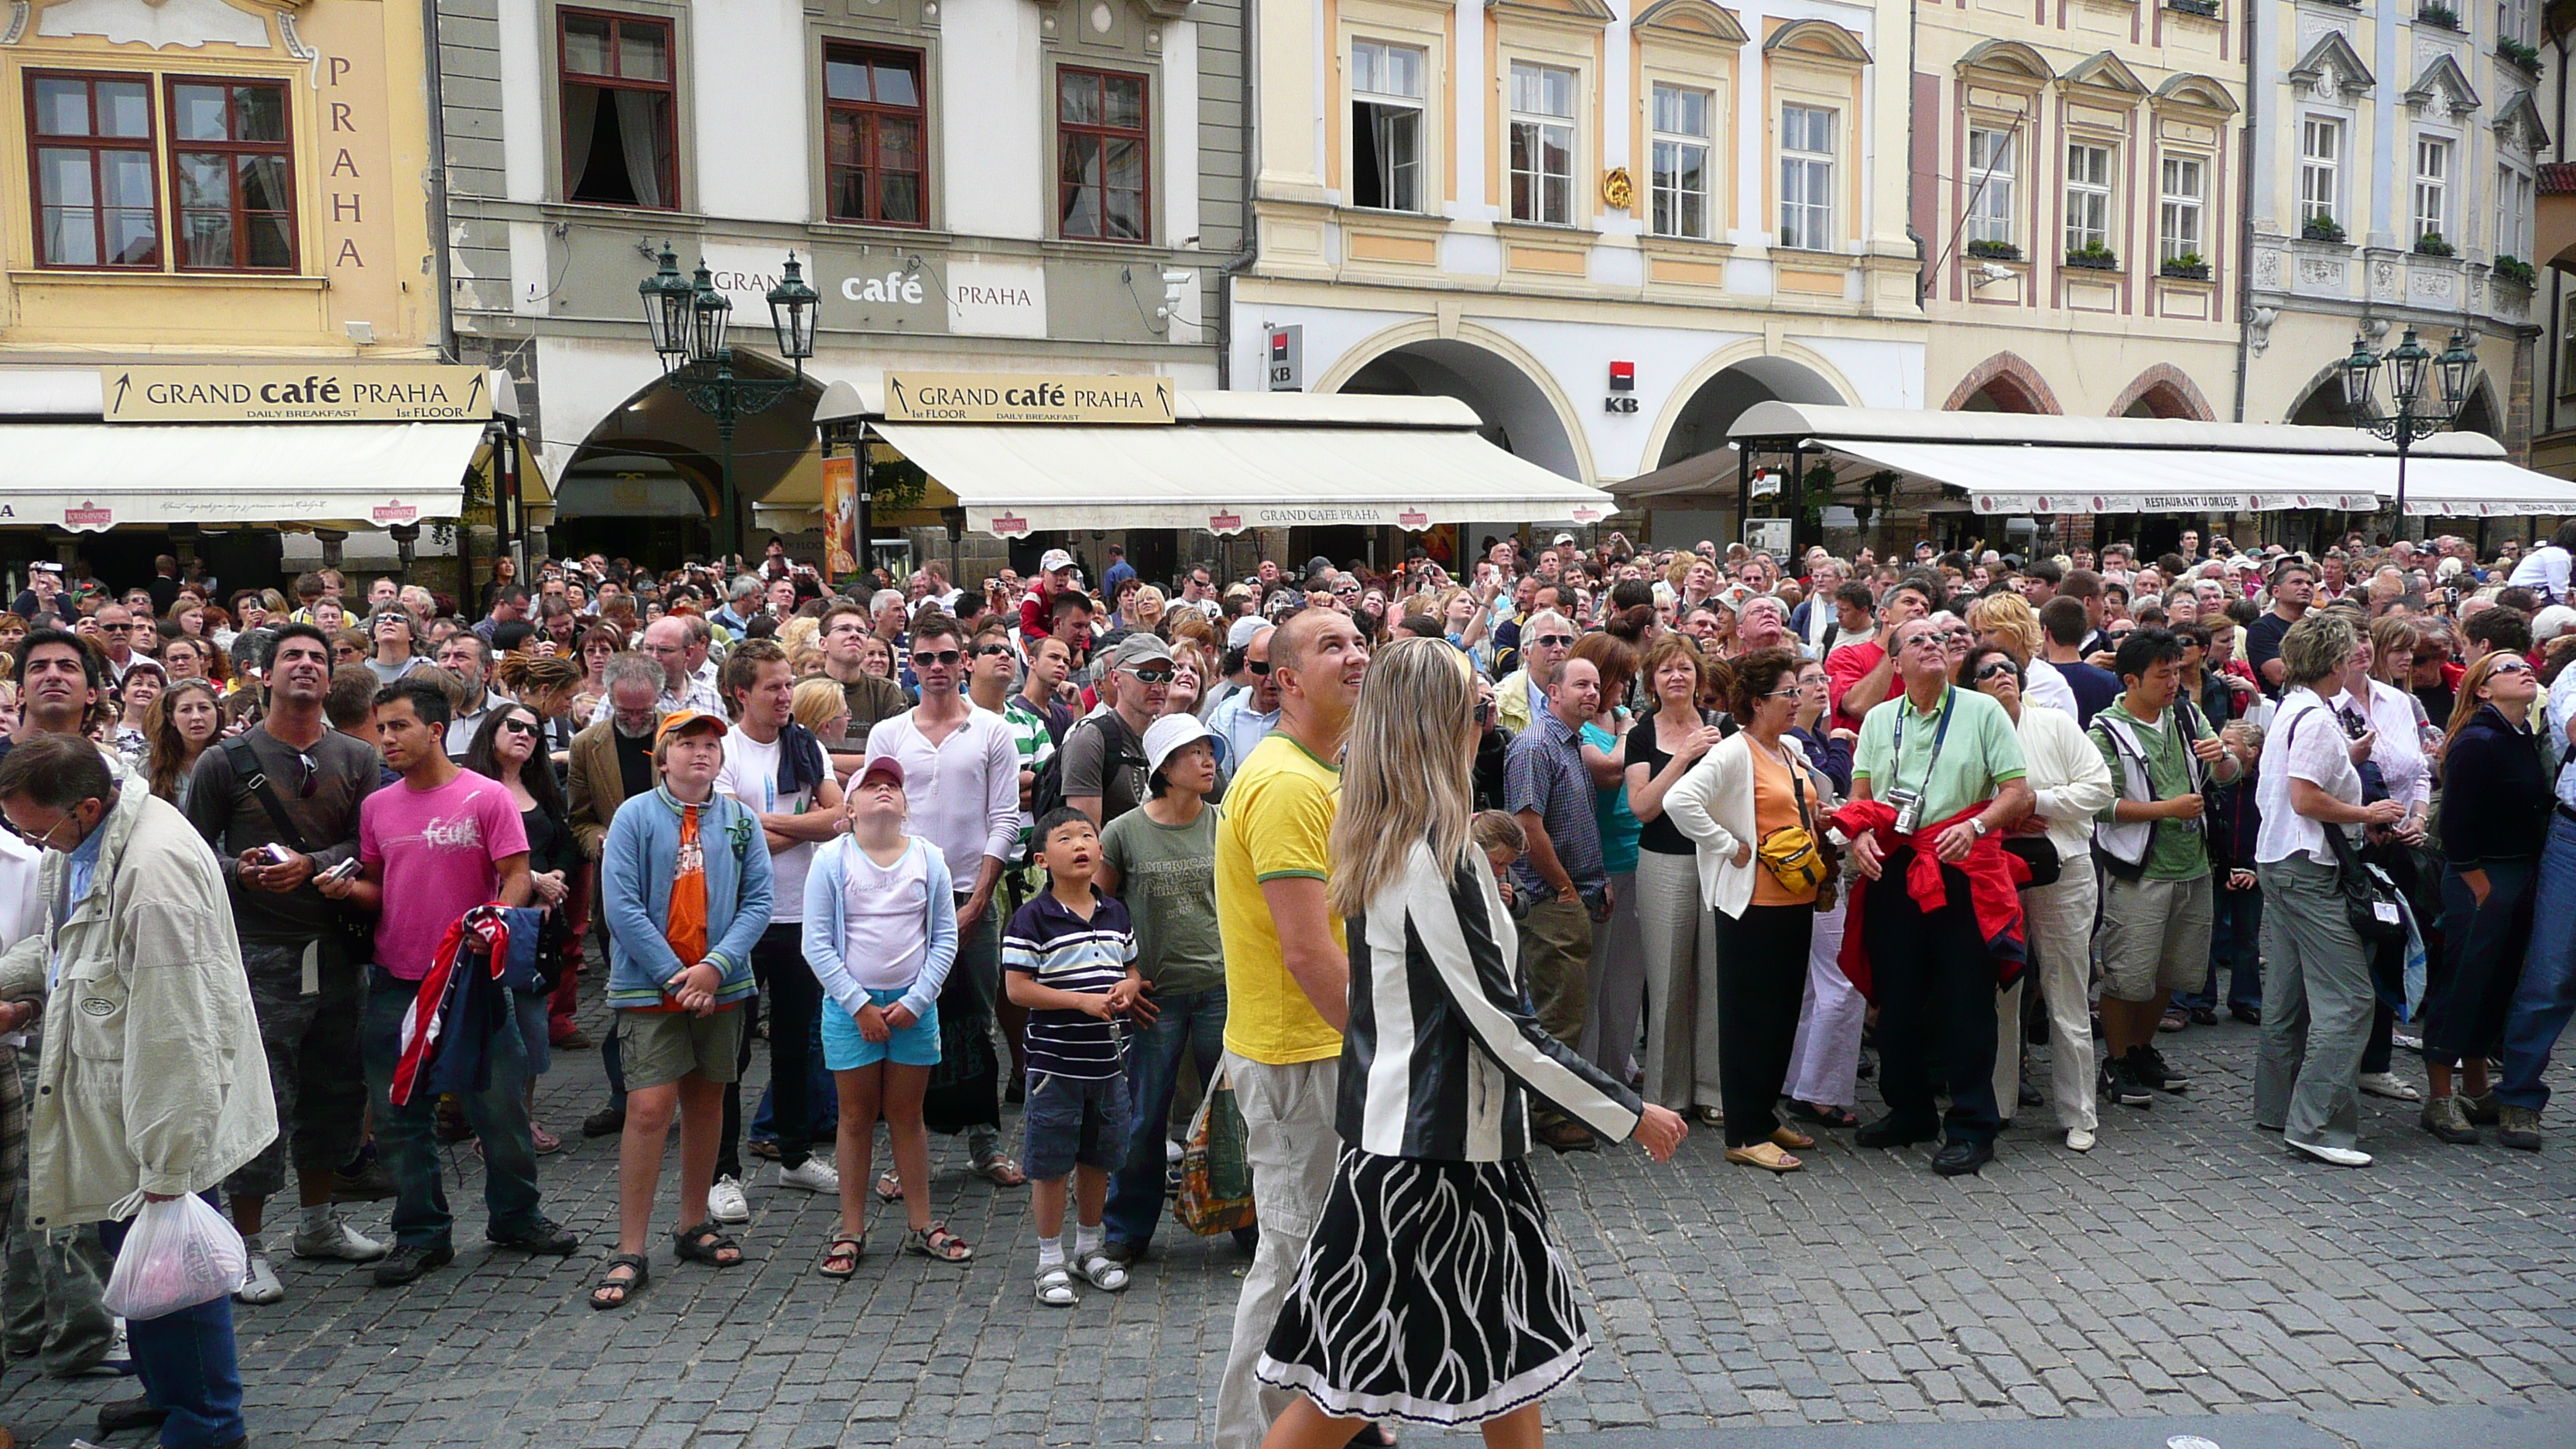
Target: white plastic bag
[178, 1254]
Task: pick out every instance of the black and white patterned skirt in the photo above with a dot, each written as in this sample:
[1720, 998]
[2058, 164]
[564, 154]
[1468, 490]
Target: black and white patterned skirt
[1430, 1291]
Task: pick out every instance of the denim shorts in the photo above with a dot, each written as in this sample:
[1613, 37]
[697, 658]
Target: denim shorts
[1073, 1120]
[916, 1045]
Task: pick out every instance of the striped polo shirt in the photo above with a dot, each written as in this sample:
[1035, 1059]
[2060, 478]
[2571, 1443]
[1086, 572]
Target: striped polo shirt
[1062, 950]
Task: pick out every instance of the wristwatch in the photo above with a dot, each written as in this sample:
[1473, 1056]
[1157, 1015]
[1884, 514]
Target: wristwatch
[1977, 823]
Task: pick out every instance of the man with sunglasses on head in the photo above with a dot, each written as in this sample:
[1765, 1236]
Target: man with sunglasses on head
[1521, 696]
[1104, 754]
[279, 804]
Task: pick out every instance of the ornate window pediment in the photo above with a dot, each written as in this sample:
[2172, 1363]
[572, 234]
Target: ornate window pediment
[2104, 72]
[1693, 22]
[1819, 40]
[1579, 14]
[2198, 92]
[2007, 58]
[160, 24]
[2518, 124]
[2332, 69]
[2442, 89]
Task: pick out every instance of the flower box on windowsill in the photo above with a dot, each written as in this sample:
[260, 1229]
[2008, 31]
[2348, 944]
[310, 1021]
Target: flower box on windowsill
[2515, 270]
[2430, 244]
[1994, 251]
[2186, 268]
[2321, 229]
[2524, 58]
[2441, 16]
[2206, 9]
[2095, 258]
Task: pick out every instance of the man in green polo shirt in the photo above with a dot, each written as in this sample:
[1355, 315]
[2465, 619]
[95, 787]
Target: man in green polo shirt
[1933, 753]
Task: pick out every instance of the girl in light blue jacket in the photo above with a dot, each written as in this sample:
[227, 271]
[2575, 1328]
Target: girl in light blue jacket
[881, 933]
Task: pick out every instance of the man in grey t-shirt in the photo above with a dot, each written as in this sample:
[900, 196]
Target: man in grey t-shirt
[1104, 759]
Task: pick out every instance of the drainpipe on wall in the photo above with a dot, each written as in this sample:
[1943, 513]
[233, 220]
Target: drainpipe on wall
[1249, 248]
[2245, 218]
[445, 335]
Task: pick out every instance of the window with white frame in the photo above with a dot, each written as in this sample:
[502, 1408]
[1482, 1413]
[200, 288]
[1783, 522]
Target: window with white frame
[1806, 177]
[2513, 20]
[2181, 205]
[1542, 121]
[2513, 213]
[1386, 125]
[1683, 118]
[1994, 183]
[2432, 187]
[2088, 196]
[2320, 168]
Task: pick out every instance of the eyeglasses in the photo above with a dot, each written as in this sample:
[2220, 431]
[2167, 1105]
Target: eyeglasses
[1997, 670]
[2509, 666]
[1152, 676]
[312, 776]
[1932, 642]
[1792, 692]
[519, 726]
[1554, 641]
[924, 658]
[43, 841]
[1257, 666]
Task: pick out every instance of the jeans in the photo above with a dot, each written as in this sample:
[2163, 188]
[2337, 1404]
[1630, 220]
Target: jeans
[2464, 1015]
[793, 1000]
[187, 1365]
[2235, 945]
[2547, 995]
[1189, 1021]
[407, 1136]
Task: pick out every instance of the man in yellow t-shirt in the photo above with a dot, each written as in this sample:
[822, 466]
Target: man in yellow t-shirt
[1287, 981]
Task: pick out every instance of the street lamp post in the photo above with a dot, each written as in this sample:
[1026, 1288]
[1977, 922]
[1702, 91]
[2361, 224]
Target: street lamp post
[2405, 365]
[688, 318]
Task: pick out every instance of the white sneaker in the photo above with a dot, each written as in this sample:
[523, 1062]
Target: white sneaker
[2390, 1085]
[339, 1241]
[2080, 1138]
[260, 1284]
[725, 1202]
[2339, 1156]
[814, 1174]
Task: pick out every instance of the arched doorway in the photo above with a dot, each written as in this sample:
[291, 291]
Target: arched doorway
[2003, 383]
[658, 452]
[633, 505]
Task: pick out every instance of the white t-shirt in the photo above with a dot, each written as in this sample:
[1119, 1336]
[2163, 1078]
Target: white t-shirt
[750, 775]
[883, 941]
[2546, 569]
[2304, 743]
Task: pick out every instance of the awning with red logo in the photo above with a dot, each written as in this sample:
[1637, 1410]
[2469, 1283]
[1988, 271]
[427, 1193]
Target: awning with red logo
[90, 477]
[1233, 462]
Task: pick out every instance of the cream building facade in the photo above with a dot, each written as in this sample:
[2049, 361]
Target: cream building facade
[2077, 178]
[1608, 225]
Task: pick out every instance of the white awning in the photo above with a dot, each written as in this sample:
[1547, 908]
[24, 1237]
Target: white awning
[89, 477]
[1236, 461]
[2034, 464]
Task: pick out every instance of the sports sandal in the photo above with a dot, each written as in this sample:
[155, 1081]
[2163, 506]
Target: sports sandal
[1055, 1287]
[706, 1243]
[625, 1288]
[841, 1259]
[938, 1244]
[1102, 1271]
[889, 1186]
[1765, 1155]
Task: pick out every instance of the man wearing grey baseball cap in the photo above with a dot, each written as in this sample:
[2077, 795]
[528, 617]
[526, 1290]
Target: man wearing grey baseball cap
[1104, 755]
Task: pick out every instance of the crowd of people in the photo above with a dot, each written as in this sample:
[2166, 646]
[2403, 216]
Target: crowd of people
[1420, 866]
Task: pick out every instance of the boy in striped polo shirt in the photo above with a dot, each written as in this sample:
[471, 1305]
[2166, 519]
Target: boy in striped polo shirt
[1069, 956]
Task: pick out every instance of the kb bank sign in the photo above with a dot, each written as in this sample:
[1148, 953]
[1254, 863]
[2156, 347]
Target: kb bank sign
[966, 295]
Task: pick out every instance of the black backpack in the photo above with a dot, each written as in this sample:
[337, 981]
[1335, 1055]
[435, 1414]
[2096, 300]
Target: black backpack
[1046, 789]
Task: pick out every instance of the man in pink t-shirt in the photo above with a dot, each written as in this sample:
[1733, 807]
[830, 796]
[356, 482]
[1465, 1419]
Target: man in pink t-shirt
[437, 845]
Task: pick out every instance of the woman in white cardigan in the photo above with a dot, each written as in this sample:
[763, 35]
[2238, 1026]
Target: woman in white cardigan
[1749, 786]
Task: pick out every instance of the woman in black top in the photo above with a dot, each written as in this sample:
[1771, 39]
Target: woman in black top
[1677, 935]
[506, 749]
[2496, 803]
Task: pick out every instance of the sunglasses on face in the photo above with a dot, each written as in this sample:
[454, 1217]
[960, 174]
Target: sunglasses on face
[924, 658]
[1152, 676]
[2510, 666]
[1554, 641]
[989, 651]
[518, 726]
[2000, 669]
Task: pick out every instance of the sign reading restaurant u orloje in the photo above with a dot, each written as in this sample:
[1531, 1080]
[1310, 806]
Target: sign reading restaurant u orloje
[297, 393]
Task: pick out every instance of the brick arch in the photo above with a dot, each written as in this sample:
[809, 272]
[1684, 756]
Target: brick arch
[2011, 381]
[2169, 392]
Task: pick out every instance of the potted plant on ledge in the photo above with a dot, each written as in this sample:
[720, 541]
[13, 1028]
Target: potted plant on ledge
[2524, 58]
[2440, 15]
[2321, 229]
[2510, 268]
[2186, 267]
[2094, 257]
[1995, 251]
[2206, 9]
[2430, 244]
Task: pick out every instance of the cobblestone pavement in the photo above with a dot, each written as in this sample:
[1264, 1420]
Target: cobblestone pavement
[2186, 1267]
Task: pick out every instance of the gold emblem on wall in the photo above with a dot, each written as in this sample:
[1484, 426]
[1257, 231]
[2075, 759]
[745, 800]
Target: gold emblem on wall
[1617, 191]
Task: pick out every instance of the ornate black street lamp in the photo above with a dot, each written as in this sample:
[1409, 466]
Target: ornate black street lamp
[688, 318]
[2417, 416]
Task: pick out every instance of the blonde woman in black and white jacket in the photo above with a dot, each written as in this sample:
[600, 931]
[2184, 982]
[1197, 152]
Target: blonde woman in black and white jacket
[1437, 1064]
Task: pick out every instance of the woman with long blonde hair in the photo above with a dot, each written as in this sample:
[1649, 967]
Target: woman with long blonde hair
[1433, 1221]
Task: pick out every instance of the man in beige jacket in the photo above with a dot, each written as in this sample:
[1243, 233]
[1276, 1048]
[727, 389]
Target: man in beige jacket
[153, 1083]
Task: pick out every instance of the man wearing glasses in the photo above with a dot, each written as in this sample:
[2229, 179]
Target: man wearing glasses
[1521, 696]
[116, 636]
[1104, 753]
[870, 697]
[966, 802]
[666, 640]
[279, 804]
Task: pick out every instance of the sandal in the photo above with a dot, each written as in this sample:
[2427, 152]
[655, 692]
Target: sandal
[1001, 1171]
[1102, 1272]
[846, 1249]
[1823, 1116]
[545, 1142]
[1793, 1139]
[1055, 1287]
[1713, 1116]
[1765, 1155]
[706, 1243]
[639, 1273]
[938, 1244]
[889, 1186]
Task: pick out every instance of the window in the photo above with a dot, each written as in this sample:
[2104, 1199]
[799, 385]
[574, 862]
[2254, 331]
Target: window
[619, 111]
[2088, 197]
[1542, 144]
[96, 198]
[1386, 126]
[1993, 171]
[2178, 215]
[1100, 136]
[2320, 168]
[232, 163]
[2513, 20]
[1806, 177]
[2432, 187]
[872, 125]
[2513, 213]
[1681, 181]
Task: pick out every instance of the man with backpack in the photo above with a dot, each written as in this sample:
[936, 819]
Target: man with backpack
[1103, 759]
